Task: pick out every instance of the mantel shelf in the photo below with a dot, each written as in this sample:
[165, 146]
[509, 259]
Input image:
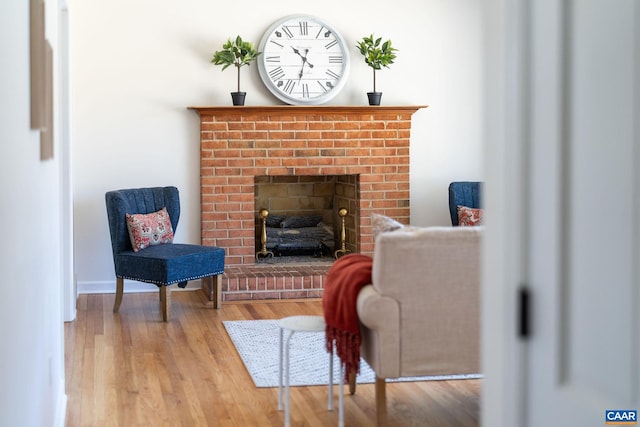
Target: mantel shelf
[307, 109]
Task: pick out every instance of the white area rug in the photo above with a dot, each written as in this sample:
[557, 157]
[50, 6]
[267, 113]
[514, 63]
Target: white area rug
[257, 343]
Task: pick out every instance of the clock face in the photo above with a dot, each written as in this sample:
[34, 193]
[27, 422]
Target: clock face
[303, 60]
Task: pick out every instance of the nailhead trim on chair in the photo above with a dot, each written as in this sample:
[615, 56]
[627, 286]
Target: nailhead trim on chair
[175, 281]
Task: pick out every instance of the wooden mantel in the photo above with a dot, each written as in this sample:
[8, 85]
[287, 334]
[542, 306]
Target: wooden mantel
[307, 109]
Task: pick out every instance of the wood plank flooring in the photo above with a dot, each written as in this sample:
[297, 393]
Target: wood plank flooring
[131, 369]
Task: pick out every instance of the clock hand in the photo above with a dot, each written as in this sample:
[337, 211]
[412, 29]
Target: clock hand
[304, 58]
[304, 61]
[301, 71]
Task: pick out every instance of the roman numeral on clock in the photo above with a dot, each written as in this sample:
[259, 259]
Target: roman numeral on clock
[287, 31]
[288, 87]
[331, 44]
[273, 59]
[276, 73]
[335, 59]
[305, 90]
[304, 28]
[324, 89]
[332, 74]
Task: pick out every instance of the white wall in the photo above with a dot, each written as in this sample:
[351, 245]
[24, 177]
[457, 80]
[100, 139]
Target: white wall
[136, 66]
[31, 333]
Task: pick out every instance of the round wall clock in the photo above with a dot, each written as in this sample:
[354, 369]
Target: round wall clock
[304, 61]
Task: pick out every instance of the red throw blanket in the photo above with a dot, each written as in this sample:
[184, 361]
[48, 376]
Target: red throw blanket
[344, 280]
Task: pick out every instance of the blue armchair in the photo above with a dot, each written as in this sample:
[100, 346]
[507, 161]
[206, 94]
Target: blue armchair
[164, 264]
[464, 193]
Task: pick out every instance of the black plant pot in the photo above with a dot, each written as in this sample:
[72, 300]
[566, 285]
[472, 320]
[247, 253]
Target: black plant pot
[374, 98]
[238, 97]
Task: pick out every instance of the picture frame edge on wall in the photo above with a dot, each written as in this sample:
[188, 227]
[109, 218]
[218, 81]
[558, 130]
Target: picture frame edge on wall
[46, 133]
[37, 63]
[41, 75]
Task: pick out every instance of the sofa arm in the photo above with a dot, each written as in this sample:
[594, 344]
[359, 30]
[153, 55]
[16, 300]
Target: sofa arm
[380, 327]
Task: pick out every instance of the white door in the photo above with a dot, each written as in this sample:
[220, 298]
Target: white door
[582, 252]
[577, 144]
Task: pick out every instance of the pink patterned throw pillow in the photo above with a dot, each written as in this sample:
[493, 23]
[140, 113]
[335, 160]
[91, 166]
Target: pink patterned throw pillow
[149, 229]
[469, 216]
[383, 224]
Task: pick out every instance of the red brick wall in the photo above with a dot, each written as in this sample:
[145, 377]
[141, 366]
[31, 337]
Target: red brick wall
[238, 143]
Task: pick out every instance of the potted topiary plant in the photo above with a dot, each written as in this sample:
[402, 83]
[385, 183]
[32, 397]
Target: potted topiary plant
[377, 55]
[238, 53]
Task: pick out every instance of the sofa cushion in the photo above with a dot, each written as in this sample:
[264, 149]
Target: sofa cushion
[149, 229]
[469, 216]
[167, 264]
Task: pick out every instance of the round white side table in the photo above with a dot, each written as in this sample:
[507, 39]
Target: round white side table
[293, 324]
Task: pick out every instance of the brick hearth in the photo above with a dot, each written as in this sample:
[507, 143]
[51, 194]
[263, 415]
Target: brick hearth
[258, 282]
[239, 143]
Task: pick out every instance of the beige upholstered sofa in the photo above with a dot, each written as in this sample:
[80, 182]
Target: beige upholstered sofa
[421, 315]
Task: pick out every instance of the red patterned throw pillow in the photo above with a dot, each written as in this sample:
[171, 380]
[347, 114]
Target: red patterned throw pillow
[149, 229]
[469, 216]
[383, 224]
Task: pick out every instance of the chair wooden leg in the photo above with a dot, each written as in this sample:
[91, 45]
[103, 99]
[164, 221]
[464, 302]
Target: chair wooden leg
[217, 291]
[165, 302]
[212, 289]
[119, 292]
[381, 401]
[352, 382]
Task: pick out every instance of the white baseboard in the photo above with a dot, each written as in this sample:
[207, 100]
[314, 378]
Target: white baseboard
[130, 286]
[61, 406]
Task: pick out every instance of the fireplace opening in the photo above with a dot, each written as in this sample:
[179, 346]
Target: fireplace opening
[305, 218]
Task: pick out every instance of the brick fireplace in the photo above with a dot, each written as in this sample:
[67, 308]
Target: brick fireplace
[369, 145]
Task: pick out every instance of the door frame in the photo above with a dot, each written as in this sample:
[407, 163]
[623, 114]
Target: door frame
[67, 271]
[503, 353]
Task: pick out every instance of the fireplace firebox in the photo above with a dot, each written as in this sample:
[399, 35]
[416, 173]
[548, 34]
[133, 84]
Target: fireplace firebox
[299, 215]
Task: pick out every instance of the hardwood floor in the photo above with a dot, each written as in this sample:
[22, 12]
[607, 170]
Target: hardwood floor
[131, 369]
